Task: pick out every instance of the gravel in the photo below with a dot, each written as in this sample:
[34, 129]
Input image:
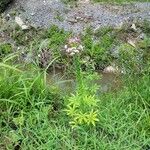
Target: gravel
[44, 13]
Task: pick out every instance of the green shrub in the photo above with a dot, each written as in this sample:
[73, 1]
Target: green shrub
[5, 49]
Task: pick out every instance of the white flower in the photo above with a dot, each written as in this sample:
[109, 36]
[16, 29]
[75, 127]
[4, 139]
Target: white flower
[66, 46]
[68, 50]
[76, 51]
[72, 53]
[80, 47]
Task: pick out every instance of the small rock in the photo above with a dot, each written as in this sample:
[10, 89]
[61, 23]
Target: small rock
[72, 21]
[84, 1]
[132, 43]
[19, 21]
[115, 51]
[142, 36]
[118, 26]
[133, 27]
[110, 69]
[7, 17]
[25, 27]
[78, 18]
[33, 13]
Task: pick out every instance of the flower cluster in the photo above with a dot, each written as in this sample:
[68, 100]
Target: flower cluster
[73, 46]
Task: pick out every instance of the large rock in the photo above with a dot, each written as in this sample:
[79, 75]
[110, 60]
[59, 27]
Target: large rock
[3, 4]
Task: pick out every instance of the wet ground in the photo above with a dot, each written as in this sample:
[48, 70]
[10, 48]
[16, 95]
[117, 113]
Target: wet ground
[44, 13]
[107, 81]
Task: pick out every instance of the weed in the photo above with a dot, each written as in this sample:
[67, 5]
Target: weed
[5, 49]
[81, 107]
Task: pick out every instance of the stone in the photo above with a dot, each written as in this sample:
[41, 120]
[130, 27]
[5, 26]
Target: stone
[142, 36]
[114, 51]
[19, 21]
[133, 27]
[118, 26]
[72, 21]
[110, 69]
[132, 42]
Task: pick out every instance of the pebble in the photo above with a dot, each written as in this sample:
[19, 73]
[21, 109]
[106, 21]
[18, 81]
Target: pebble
[134, 27]
[110, 69]
[19, 21]
[42, 14]
[132, 43]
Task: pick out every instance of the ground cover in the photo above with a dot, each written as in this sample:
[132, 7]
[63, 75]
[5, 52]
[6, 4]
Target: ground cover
[36, 114]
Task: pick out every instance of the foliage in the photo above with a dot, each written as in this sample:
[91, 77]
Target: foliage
[81, 107]
[5, 49]
[32, 108]
[3, 4]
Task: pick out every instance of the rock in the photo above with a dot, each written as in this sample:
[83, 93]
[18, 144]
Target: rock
[115, 51]
[72, 21]
[4, 4]
[142, 36]
[7, 17]
[132, 42]
[84, 1]
[133, 27]
[118, 26]
[33, 13]
[19, 21]
[110, 69]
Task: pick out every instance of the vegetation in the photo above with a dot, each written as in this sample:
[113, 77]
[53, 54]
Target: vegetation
[3, 4]
[35, 114]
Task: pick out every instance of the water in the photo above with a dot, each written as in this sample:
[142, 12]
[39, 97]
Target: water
[107, 82]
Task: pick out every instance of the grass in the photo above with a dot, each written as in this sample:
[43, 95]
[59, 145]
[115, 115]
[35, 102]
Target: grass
[32, 116]
[32, 110]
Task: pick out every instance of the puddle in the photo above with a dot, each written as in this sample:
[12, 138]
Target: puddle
[107, 82]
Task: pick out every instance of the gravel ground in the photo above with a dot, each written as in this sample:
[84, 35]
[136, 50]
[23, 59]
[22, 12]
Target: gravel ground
[44, 13]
